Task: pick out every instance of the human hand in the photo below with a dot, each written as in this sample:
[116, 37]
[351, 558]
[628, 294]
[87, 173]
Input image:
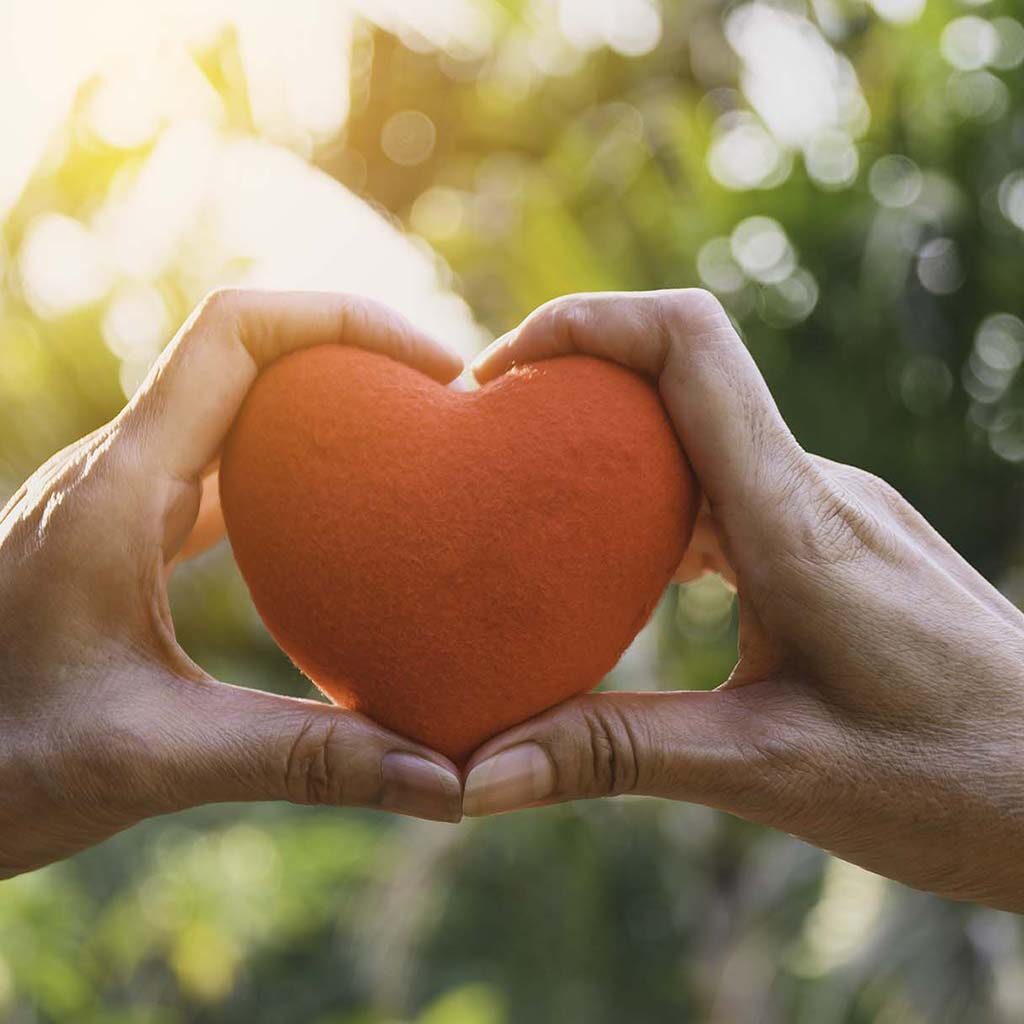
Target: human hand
[877, 705]
[104, 720]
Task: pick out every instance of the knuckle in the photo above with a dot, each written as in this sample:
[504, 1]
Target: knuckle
[565, 315]
[829, 525]
[363, 321]
[692, 301]
[222, 303]
[222, 314]
[877, 492]
[357, 311]
[696, 333]
[881, 490]
[609, 762]
[224, 317]
[696, 307]
[839, 527]
[312, 767]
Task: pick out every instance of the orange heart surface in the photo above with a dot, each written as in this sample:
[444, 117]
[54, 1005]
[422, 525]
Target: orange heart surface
[450, 563]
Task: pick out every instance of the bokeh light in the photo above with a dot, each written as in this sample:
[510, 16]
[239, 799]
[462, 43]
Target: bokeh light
[408, 137]
[970, 43]
[1006, 435]
[629, 27]
[790, 301]
[995, 358]
[743, 155]
[895, 181]
[1010, 51]
[1011, 198]
[717, 267]
[939, 268]
[761, 248]
[438, 213]
[136, 327]
[832, 159]
[846, 176]
[797, 83]
[901, 12]
[979, 95]
[62, 265]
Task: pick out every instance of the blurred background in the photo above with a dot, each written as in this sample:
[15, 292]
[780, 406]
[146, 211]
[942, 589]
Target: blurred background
[848, 176]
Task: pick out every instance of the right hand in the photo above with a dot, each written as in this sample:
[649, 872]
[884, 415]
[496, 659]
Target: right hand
[104, 719]
[877, 706]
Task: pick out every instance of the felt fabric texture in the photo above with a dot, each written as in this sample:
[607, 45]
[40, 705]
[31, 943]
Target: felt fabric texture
[452, 563]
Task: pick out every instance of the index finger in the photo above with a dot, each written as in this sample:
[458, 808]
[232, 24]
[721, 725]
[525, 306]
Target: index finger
[185, 407]
[740, 448]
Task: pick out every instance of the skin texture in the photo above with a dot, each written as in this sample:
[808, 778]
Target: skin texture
[452, 563]
[876, 709]
[877, 706]
[103, 719]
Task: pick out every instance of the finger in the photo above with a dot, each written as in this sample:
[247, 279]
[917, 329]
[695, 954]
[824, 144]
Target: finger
[186, 405]
[209, 526]
[687, 746]
[619, 326]
[214, 742]
[705, 553]
[743, 453]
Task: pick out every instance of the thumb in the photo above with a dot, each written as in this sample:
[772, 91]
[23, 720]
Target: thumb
[695, 746]
[216, 742]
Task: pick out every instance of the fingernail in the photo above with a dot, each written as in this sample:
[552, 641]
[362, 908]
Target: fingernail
[485, 356]
[414, 785]
[514, 778]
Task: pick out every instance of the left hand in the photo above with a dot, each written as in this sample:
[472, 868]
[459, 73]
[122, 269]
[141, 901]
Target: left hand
[877, 706]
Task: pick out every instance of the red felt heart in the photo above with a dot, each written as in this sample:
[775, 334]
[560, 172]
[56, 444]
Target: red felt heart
[451, 563]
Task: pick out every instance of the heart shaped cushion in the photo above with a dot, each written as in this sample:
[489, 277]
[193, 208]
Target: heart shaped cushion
[451, 563]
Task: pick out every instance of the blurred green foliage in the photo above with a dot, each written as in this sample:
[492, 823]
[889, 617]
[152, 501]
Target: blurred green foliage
[882, 300]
